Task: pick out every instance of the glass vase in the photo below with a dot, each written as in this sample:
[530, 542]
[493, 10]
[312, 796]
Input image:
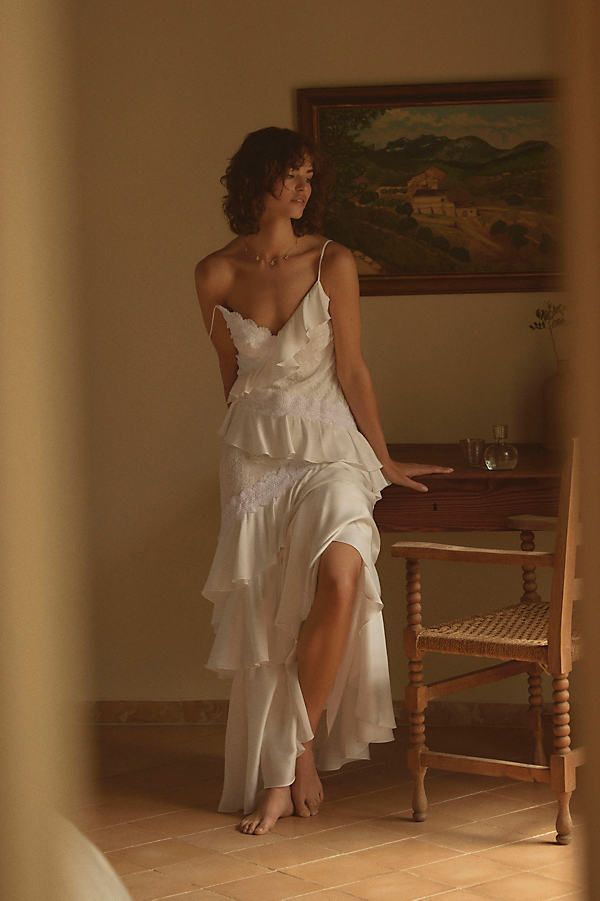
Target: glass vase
[500, 454]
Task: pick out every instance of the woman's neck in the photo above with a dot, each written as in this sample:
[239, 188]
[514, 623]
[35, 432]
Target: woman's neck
[275, 236]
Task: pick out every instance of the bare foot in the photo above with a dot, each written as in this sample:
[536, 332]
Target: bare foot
[274, 803]
[307, 789]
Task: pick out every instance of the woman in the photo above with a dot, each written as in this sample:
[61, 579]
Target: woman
[297, 607]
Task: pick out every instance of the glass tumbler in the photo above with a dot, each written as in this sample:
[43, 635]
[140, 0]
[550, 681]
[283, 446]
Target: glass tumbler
[473, 449]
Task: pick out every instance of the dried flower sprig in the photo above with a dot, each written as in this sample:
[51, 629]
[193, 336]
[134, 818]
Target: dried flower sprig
[550, 318]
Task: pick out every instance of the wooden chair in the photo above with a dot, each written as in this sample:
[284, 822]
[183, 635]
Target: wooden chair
[532, 636]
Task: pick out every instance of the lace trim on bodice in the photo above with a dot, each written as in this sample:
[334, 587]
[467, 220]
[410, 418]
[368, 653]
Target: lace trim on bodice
[246, 326]
[304, 406]
[252, 336]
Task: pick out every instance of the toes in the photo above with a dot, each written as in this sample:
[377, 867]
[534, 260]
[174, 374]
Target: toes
[252, 826]
[299, 807]
[265, 825]
[306, 807]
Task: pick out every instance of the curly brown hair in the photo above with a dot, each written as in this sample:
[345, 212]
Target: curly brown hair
[264, 156]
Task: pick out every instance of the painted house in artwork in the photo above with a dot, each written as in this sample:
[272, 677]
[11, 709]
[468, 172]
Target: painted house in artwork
[425, 195]
[432, 203]
[428, 198]
[430, 179]
[392, 191]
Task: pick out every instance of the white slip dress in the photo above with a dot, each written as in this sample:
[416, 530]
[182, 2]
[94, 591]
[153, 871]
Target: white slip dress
[295, 475]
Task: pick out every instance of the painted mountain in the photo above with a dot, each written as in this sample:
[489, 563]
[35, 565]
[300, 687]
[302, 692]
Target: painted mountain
[408, 202]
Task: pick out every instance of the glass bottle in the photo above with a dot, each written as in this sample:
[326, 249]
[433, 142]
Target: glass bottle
[500, 454]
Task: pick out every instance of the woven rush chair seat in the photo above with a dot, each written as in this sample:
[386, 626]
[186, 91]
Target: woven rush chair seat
[518, 632]
[527, 637]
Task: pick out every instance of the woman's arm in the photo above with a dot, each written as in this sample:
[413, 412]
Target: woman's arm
[212, 282]
[352, 370]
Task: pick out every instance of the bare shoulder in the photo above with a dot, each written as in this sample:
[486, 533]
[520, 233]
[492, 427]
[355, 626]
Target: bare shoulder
[339, 254]
[213, 275]
[339, 266]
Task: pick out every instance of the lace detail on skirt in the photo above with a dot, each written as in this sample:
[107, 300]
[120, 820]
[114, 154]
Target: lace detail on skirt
[248, 482]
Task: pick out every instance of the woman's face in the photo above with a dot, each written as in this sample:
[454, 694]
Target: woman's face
[291, 193]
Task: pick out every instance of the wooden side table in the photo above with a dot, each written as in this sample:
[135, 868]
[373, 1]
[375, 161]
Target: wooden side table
[469, 499]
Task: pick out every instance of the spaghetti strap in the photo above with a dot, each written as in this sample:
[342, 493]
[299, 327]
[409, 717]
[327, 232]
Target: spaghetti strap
[213, 318]
[321, 258]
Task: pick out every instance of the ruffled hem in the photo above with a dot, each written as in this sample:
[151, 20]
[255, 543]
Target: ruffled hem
[287, 437]
[251, 547]
[256, 623]
[268, 721]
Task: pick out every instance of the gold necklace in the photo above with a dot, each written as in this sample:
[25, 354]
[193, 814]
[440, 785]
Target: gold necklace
[274, 260]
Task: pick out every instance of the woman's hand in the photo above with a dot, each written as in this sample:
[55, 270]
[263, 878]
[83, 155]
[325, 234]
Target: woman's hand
[400, 473]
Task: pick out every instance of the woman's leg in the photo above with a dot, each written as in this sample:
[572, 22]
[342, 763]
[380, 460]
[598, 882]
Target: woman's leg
[321, 644]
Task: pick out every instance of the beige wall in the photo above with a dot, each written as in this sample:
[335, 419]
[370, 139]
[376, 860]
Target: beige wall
[167, 92]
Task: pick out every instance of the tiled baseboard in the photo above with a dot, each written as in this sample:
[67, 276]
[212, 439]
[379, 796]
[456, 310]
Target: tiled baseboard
[205, 713]
[198, 713]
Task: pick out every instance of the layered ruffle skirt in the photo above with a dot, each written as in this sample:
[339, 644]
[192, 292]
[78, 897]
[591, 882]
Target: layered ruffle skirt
[262, 583]
[295, 475]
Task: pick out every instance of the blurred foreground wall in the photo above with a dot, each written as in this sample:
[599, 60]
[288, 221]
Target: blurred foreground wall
[43, 635]
[581, 135]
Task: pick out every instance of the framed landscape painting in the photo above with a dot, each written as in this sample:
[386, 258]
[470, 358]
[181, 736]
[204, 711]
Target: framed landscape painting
[443, 188]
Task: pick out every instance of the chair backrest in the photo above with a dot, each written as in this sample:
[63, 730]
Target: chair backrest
[566, 588]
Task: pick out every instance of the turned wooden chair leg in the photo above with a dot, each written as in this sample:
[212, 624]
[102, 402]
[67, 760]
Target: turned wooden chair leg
[415, 691]
[416, 745]
[530, 592]
[561, 773]
[536, 700]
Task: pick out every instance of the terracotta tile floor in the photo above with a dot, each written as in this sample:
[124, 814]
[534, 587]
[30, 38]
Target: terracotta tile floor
[154, 816]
